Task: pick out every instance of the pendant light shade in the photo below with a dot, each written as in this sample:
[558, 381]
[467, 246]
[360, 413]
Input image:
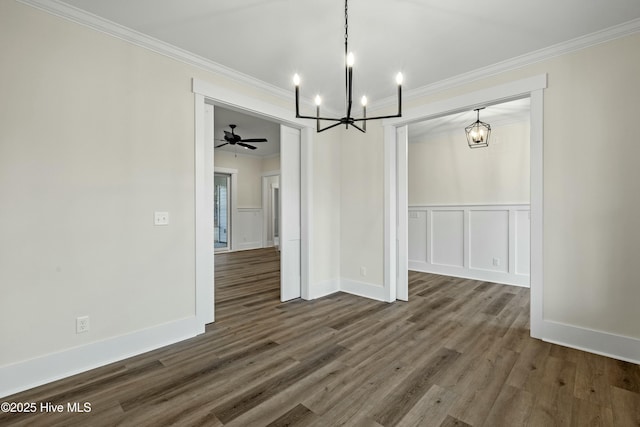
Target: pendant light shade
[478, 132]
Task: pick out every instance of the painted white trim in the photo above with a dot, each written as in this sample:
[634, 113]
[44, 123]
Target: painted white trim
[536, 226]
[222, 95]
[468, 101]
[79, 16]
[402, 147]
[598, 342]
[324, 288]
[228, 171]
[72, 13]
[271, 173]
[576, 44]
[478, 274]
[233, 244]
[532, 87]
[51, 367]
[266, 194]
[306, 212]
[203, 229]
[390, 213]
[367, 290]
[466, 269]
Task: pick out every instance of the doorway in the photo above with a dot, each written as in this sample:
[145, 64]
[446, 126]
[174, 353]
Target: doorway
[396, 206]
[297, 155]
[221, 211]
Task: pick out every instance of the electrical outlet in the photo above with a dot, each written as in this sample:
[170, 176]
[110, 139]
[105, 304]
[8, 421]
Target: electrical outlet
[161, 218]
[82, 324]
[496, 262]
[363, 271]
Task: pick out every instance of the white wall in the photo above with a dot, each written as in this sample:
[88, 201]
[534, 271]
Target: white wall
[442, 169]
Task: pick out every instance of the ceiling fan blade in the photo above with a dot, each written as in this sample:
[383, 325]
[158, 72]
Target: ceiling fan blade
[250, 147]
[221, 145]
[254, 140]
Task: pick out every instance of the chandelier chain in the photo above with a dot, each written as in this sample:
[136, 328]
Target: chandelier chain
[346, 23]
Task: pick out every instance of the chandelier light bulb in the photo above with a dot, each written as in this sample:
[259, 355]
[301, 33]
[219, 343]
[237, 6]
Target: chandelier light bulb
[399, 78]
[350, 59]
[296, 79]
[364, 101]
[318, 100]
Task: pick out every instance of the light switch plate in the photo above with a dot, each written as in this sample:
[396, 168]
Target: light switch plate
[161, 218]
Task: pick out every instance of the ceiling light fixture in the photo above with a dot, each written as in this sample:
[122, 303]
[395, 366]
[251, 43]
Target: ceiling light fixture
[478, 132]
[348, 75]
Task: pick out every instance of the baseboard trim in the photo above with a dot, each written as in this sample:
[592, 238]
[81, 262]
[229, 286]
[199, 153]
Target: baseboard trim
[324, 288]
[248, 246]
[31, 373]
[602, 343]
[362, 289]
[503, 278]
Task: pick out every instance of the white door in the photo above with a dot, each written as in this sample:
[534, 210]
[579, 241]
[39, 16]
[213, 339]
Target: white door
[289, 213]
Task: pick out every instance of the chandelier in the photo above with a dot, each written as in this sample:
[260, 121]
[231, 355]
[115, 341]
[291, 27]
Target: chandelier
[478, 132]
[348, 119]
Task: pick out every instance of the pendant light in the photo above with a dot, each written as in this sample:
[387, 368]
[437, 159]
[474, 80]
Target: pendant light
[478, 132]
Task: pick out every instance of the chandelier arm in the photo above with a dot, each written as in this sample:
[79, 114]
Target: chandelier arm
[358, 127]
[328, 127]
[331, 119]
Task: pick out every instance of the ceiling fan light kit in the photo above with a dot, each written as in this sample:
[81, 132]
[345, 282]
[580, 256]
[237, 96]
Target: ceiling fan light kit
[348, 119]
[232, 138]
[478, 132]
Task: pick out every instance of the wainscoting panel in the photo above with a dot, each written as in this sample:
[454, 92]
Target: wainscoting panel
[247, 233]
[447, 242]
[482, 242]
[489, 240]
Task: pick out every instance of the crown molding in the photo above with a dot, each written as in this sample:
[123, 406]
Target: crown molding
[72, 13]
[573, 45]
[137, 38]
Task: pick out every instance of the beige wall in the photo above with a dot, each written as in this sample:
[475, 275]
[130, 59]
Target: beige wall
[591, 236]
[270, 164]
[443, 170]
[326, 207]
[250, 169]
[95, 135]
[361, 204]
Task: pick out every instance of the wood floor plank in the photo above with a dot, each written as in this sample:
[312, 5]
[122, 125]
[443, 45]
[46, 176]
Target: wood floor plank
[458, 353]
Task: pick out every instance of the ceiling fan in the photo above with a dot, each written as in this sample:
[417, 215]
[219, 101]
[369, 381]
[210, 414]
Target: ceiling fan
[233, 139]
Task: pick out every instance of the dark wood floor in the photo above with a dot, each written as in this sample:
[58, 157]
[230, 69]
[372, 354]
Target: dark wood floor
[458, 354]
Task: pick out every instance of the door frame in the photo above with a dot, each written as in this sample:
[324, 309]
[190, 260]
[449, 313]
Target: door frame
[233, 199]
[266, 193]
[205, 94]
[396, 203]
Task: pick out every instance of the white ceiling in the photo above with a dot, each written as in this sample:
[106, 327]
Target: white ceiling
[247, 127]
[428, 40]
[517, 111]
